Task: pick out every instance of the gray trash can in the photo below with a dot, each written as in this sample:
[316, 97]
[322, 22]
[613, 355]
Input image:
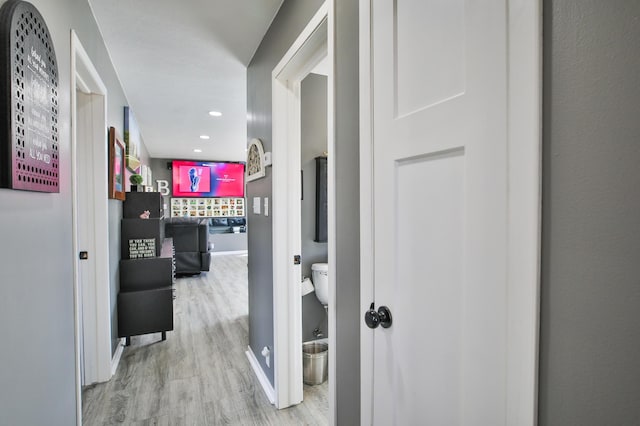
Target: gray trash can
[315, 362]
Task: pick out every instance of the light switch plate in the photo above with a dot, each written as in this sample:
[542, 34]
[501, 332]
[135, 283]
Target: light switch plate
[267, 158]
[256, 205]
[266, 206]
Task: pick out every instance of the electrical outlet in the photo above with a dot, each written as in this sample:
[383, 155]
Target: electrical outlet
[266, 353]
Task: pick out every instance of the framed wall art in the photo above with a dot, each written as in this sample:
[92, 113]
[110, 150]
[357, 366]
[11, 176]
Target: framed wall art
[117, 156]
[255, 161]
[132, 141]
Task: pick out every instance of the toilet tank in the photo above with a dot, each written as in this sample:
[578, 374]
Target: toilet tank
[320, 278]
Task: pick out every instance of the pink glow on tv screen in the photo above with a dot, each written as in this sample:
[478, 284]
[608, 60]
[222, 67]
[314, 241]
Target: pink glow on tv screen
[207, 179]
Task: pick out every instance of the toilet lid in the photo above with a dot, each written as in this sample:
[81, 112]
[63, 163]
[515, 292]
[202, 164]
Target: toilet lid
[320, 267]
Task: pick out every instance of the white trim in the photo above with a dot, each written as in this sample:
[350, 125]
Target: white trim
[222, 253]
[80, 84]
[307, 32]
[115, 361]
[76, 292]
[367, 212]
[82, 66]
[262, 378]
[287, 314]
[524, 216]
[306, 52]
[331, 211]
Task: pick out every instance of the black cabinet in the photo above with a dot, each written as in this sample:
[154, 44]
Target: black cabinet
[144, 312]
[137, 202]
[147, 268]
[321, 199]
[141, 238]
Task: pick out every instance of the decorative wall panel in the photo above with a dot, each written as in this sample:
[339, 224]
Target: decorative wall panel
[28, 101]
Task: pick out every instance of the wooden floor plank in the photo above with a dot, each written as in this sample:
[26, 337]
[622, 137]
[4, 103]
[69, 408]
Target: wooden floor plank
[199, 375]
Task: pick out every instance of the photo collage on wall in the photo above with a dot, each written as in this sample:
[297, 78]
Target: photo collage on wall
[207, 207]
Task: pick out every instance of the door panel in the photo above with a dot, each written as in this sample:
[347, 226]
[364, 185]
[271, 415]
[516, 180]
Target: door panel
[429, 53]
[429, 288]
[440, 201]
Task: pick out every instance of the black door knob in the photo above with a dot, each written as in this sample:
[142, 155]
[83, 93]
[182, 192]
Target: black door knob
[385, 316]
[375, 318]
[371, 317]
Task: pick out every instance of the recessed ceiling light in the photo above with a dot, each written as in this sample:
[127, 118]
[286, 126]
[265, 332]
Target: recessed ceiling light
[204, 137]
[215, 113]
[197, 150]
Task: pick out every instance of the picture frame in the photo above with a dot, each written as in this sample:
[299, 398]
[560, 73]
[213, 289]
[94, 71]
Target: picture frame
[132, 141]
[117, 158]
[255, 168]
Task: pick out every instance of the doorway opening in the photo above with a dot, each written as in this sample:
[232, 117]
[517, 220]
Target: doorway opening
[314, 231]
[311, 48]
[95, 360]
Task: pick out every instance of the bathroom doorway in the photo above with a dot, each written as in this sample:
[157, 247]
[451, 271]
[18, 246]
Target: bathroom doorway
[314, 231]
[313, 212]
[313, 46]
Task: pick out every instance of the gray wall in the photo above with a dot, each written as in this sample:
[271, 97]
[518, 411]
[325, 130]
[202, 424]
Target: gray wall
[291, 19]
[590, 334]
[228, 242]
[313, 115]
[349, 311]
[115, 214]
[37, 367]
[160, 171]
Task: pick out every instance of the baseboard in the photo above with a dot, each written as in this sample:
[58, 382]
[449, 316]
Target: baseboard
[116, 357]
[262, 378]
[224, 253]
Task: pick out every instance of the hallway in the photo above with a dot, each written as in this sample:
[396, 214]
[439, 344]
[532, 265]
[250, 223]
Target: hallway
[200, 375]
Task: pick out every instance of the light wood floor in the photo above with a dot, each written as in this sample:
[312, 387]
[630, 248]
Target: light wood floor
[200, 374]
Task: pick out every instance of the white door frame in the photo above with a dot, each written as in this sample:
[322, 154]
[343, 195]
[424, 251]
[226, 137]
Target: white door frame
[524, 203]
[305, 53]
[97, 349]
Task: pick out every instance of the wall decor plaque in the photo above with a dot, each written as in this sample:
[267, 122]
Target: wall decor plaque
[28, 101]
[255, 161]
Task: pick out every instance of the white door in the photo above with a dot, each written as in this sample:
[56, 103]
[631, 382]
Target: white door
[440, 199]
[86, 268]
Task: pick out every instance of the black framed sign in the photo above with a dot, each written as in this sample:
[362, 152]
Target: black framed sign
[28, 101]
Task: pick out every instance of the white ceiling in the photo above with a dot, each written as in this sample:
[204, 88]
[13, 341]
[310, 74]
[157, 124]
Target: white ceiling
[178, 60]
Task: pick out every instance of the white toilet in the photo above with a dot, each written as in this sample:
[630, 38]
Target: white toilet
[320, 278]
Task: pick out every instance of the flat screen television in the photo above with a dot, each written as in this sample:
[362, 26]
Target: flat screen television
[207, 179]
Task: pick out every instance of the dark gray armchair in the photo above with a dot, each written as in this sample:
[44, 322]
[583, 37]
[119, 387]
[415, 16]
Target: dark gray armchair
[191, 244]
